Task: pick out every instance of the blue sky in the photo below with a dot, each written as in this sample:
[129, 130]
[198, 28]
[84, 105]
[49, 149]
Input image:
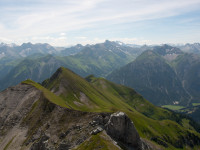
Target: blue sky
[68, 22]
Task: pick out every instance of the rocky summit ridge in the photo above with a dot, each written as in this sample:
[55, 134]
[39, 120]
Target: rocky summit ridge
[30, 121]
[70, 112]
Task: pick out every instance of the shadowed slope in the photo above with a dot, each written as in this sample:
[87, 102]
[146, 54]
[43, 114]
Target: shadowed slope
[153, 77]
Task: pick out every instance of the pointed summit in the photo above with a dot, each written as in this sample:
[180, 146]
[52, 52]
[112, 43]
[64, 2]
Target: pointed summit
[81, 95]
[76, 91]
[151, 76]
[167, 50]
[26, 45]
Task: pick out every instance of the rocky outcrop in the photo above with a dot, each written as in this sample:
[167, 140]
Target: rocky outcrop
[122, 129]
[15, 102]
[29, 120]
[41, 144]
[96, 131]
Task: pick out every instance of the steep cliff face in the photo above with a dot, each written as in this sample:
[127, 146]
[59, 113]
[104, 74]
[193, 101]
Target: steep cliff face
[119, 127]
[30, 121]
[15, 103]
[122, 129]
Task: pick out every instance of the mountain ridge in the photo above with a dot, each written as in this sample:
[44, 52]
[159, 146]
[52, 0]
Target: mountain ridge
[97, 59]
[41, 118]
[151, 72]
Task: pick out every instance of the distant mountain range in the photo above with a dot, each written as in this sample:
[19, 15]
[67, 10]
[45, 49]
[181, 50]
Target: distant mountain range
[190, 48]
[72, 50]
[11, 55]
[24, 50]
[99, 59]
[164, 75]
[187, 67]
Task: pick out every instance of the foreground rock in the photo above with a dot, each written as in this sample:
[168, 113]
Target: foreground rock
[122, 129]
[29, 121]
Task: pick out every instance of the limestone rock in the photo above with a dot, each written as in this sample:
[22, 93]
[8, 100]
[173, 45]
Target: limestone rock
[41, 144]
[122, 129]
[97, 130]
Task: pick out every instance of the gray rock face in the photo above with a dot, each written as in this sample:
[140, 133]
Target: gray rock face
[122, 129]
[97, 130]
[41, 144]
[29, 120]
[15, 102]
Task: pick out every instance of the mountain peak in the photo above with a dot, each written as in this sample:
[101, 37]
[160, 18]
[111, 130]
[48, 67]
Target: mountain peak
[62, 73]
[26, 44]
[150, 54]
[167, 49]
[107, 42]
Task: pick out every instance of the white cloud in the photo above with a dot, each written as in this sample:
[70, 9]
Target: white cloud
[139, 41]
[42, 18]
[55, 41]
[5, 40]
[81, 37]
[62, 34]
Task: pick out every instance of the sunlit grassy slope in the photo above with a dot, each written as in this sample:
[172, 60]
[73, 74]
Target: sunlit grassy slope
[47, 94]
[80, 94]
[173, 107]
[159, 125]
[99, 141]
